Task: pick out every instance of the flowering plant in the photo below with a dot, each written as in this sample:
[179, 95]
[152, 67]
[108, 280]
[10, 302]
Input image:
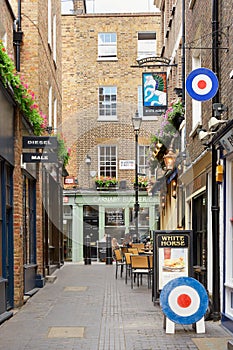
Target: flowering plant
[142, 181]
[105, 181]
[175, 113]
[162, 138]
[23, 96]
[165, 132]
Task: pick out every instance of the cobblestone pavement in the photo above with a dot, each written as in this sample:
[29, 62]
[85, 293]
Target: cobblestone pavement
[86, 308]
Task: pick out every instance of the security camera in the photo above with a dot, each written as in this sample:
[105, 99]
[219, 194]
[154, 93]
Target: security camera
[231, 74]
[214, 123]
[203, 135]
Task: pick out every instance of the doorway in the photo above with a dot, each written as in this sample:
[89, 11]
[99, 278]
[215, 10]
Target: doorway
[199, 219]
[91, 228]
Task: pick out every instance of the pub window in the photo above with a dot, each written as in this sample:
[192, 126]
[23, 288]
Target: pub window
[107, 46]
[143, 217]
[107, 102]
[107, 161]
[49, 22]
[55, 38]
[114, 217]
[146, 44]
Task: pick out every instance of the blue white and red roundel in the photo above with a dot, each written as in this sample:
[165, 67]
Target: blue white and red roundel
[202, 84]
[184, 300]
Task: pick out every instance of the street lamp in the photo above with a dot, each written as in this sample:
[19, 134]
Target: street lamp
[136, 120]
[170, 157]
[88, 163]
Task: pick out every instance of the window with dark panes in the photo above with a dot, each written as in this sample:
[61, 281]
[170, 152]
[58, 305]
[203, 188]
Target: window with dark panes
[107, 101]
[108, 161]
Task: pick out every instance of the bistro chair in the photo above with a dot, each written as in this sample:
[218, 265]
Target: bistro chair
[127, 266]
[124, 250]
[119, 261]
[140, 266]
[139, 246]
[133, 251]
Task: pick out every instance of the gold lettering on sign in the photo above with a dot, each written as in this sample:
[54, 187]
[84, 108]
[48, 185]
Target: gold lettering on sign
[172, 241]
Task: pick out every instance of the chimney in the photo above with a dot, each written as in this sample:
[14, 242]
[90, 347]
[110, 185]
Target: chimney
[79, 7]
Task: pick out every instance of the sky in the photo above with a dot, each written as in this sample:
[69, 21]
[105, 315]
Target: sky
[112, 6]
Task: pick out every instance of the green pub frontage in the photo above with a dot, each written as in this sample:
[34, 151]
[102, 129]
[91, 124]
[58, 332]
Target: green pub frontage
[99, 213]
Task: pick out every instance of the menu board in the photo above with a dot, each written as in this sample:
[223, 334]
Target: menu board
[172, 255]
[114, 217]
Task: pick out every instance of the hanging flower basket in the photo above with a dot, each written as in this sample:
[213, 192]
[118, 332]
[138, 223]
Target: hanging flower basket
[161, 140]
[176, 114]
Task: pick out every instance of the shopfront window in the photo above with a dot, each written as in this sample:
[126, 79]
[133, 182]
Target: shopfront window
[114, 217]
[143, 221]
[115, 223]
[108, 161]
[29, 220]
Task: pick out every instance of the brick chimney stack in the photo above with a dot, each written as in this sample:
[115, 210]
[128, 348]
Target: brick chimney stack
[79, 6]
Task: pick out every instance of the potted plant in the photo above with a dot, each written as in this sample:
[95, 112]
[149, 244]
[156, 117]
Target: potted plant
[106, 182]
[176, 113]
[142, 183]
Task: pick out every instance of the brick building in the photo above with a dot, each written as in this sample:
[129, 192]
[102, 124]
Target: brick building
[31, 228]
[205, 168]
[101, 93]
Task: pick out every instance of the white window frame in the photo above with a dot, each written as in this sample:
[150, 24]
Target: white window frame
[147, 44]
[143, 168]
[107, 46]
[55, 116]
[55, 38]
[50, 97]
[49, 23]
[196, 105]
[106, 162]
[107, 104]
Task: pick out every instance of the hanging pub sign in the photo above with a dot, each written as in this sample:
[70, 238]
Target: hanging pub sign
[227, 141]
[40, 157]
[154, 88]
[172, 257]
[35, 142]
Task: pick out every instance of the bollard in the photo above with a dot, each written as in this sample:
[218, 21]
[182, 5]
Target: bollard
[87, 250]
[108, 250]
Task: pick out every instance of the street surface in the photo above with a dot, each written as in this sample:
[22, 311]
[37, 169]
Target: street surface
[86, 308]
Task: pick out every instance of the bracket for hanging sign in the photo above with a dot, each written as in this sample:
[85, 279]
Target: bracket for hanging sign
[150, 62]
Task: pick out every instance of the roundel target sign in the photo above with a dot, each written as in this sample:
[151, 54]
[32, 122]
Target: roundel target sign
[202, 84]
[184, 300]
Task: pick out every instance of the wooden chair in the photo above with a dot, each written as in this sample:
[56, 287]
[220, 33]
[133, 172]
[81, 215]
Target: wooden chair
[139, 246]
[124, 250]
[140, 266]
[119, 261]
[133, 251]
[127, 266]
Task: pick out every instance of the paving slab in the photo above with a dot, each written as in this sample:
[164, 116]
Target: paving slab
[87, 308]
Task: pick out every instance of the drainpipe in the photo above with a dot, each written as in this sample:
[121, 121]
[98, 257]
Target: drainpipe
[215, 199]
[18, 37]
